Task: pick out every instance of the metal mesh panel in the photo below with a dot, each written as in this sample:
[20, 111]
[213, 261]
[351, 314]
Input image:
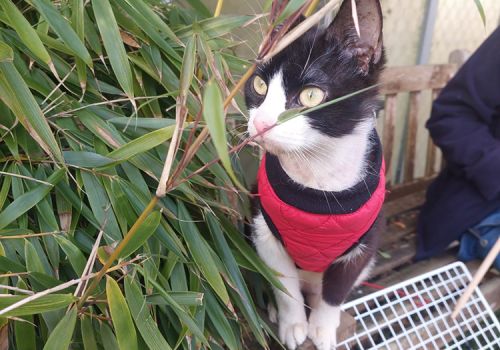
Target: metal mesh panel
[415, 314]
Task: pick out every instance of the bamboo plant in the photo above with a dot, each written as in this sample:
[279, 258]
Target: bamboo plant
[122, 203]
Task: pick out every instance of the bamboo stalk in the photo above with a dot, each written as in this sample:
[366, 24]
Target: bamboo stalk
[130, 234]
[485, 265]
[218, 8]
[311, 8]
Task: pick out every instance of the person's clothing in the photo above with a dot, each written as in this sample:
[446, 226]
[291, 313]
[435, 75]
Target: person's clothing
[477, 241]
[465, 125]
[316, 227]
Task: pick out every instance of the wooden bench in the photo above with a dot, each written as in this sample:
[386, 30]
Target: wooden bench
[412, 162]
[406, 192]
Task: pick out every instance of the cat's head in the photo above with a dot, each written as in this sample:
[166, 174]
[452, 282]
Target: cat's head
[323, 64]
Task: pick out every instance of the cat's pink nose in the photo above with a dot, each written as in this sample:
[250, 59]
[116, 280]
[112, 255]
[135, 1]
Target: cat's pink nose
[261, 125]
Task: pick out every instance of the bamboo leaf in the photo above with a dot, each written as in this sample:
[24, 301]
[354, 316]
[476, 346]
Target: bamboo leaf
[184, 316]
[142, 318]
[78, 22]
[60, 338]
[157, 22]
[6, 53]
[63, 29]
[87, 159]
[221, 322]
[236, 276]
[145, 231]
[33, 261]
[120, 314]
[88, 335]
[114, 45]
[75, 256]
[201, 254]
[26, 33]
[45, 303]
[24, 330]
[188, 64]
[142, 144]
[290, 8]
[480, 8]
[28, 200]
[213, 113]
[17, 96]
[146, 123]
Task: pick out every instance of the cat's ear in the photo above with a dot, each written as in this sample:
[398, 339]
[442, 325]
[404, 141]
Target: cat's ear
[368, 46]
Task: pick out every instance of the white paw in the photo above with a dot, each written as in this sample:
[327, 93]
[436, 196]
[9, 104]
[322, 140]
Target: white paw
[272, 313]
[323, 324]
[293, 333]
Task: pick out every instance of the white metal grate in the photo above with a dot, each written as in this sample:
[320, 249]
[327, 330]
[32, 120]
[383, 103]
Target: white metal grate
[415, 314]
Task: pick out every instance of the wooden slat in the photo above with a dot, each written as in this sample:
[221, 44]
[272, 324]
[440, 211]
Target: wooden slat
[405, 189]
[416, 78]
[389, 127]
[400, 256]
[411, 141]
[404, 204]
[430, 163]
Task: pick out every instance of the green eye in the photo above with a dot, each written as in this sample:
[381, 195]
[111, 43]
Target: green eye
[311, 96]
[259, 85]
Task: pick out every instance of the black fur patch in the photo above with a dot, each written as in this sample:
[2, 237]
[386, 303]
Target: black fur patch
[322, 60]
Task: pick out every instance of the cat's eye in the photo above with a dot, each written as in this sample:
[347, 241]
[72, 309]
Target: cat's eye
[259, 85]
[311, 96]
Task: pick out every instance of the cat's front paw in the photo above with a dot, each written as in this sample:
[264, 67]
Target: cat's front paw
[272, 313]
[323, 324]
[292, 332]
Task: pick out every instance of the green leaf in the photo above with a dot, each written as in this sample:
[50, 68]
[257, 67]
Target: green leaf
[143, 8]
[45, 303]
[28, 200]
[6, 53]
[199, 249]
[480, 8]
[63, 29]
[213, 113]
[60, 338]
[33, 261]
[114, 45]
[146, 123]
[145, 231]
[184, 316]
[200, 8]
[109, 341]
[236, 276]
[75, 256]
[87, 159]
[78, 23]
[120, 315]
[25, 31]
[147, 327]
[88, 336]
[181, 298]
[17, 96]
[24, 330]
[188, 64]
[142, 144]
[220, 321]
[290, 8]
[101, 207]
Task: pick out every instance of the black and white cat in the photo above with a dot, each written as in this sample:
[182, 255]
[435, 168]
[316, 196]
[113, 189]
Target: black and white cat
[327, 162]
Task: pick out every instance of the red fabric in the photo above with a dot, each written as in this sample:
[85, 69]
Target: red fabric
[314, 241]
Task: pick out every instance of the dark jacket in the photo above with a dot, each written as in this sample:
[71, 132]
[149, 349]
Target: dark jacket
[465, 125]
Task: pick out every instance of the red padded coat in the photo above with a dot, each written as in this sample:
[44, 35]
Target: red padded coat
[317, 227]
